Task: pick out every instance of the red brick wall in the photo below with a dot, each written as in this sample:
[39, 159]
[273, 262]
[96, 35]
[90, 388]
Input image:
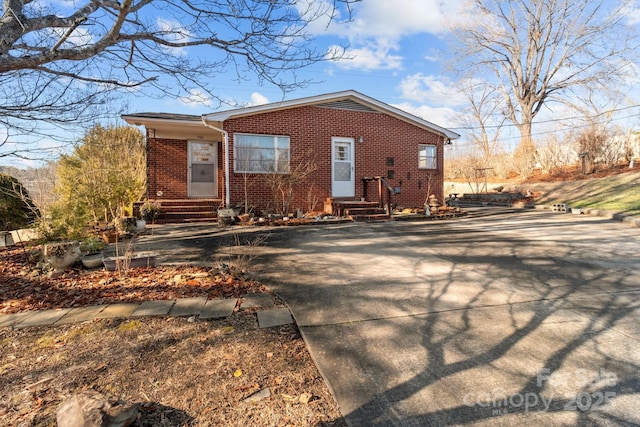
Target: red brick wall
[167, 168]
[310, 130]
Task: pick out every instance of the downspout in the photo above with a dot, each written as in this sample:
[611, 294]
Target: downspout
[225, 140]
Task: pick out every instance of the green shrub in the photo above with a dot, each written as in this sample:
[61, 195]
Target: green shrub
[17, 210]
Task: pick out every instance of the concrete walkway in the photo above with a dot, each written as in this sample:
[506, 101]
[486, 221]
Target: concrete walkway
[506, 317]
[200, 308]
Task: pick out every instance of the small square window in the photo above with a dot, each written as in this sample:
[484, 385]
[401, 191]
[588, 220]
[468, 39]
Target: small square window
[390, 161]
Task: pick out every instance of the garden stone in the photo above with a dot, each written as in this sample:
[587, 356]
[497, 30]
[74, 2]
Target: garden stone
[92, 409]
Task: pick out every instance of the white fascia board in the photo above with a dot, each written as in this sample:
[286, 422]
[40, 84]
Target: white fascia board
[150, 122]
[330, 97]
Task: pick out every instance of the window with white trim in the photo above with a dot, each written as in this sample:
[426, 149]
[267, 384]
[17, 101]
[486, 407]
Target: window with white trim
[260, 153]
[427, 156]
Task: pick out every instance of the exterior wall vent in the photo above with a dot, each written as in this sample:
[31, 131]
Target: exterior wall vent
[347, 105]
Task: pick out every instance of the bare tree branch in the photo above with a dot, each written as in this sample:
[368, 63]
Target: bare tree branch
[58, 61]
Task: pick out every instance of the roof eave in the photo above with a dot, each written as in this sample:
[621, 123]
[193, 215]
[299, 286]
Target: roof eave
[336, 96]
[138, 120]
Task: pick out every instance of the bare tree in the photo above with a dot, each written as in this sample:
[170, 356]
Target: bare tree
[484, 117]
[286, 179]
[536, 52]
[61, 62]
[554, 154]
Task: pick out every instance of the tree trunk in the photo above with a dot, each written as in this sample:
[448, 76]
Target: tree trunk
[525, 154]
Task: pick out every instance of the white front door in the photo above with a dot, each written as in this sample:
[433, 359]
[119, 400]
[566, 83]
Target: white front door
[342, 171]
[202, 173]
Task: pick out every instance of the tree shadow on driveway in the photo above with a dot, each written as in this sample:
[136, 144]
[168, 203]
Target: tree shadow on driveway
[507, 320]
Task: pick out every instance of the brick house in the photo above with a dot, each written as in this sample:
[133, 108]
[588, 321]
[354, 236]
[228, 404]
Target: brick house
[348, 144]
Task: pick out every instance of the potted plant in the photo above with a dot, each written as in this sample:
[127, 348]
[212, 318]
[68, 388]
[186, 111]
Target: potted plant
[130, 260]
[62, 254]
[92, 248]
[149, 211]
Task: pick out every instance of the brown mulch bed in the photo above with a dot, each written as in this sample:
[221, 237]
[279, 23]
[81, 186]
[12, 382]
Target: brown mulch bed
[24, 286]
[179, 372]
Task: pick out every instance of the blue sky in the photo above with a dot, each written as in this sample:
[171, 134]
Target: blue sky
[397, 54]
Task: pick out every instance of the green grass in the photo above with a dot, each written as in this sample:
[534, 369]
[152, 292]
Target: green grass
[617, 193]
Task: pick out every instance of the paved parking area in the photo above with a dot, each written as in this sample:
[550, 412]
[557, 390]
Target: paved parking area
[503, 318]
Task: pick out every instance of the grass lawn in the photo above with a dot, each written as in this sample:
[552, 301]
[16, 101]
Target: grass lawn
[619, 193]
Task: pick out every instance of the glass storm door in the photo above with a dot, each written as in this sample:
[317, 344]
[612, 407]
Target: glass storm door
[202, 174]
[342, 174]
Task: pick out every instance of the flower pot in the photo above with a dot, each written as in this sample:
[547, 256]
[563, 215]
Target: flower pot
[62, 255]
[6, 239]
[93, 260]
[132, 261]
[141, 225]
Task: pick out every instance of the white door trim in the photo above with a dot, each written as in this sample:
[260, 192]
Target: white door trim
[342, 167]
[205, 161]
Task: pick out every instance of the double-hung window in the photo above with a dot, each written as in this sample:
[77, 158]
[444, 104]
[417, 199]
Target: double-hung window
[260, 153]
[427, 156]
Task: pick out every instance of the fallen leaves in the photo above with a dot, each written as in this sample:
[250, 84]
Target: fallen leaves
[78, 287]
[303, 398]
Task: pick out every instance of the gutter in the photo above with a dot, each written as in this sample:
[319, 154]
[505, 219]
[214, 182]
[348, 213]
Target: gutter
[225, 138]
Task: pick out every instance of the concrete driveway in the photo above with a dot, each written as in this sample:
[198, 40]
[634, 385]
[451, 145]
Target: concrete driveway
[501, 318]
[506, 317]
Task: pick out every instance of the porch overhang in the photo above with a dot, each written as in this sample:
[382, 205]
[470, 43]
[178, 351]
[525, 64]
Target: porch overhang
[174, 126]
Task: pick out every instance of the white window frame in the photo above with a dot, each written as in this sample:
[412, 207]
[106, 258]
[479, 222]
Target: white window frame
[278, 154]
[426, 161]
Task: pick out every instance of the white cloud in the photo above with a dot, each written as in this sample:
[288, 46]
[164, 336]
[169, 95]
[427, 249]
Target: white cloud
[79, 37]
[196, 98]
[258, 99]
[441, 116]
[431, 89]
[377, 26]
[632, 11]
[377, 56]
[175, 33]
[395, 19]
[318, 13]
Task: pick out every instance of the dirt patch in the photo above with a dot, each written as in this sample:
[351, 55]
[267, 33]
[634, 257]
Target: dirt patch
[179, 372]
